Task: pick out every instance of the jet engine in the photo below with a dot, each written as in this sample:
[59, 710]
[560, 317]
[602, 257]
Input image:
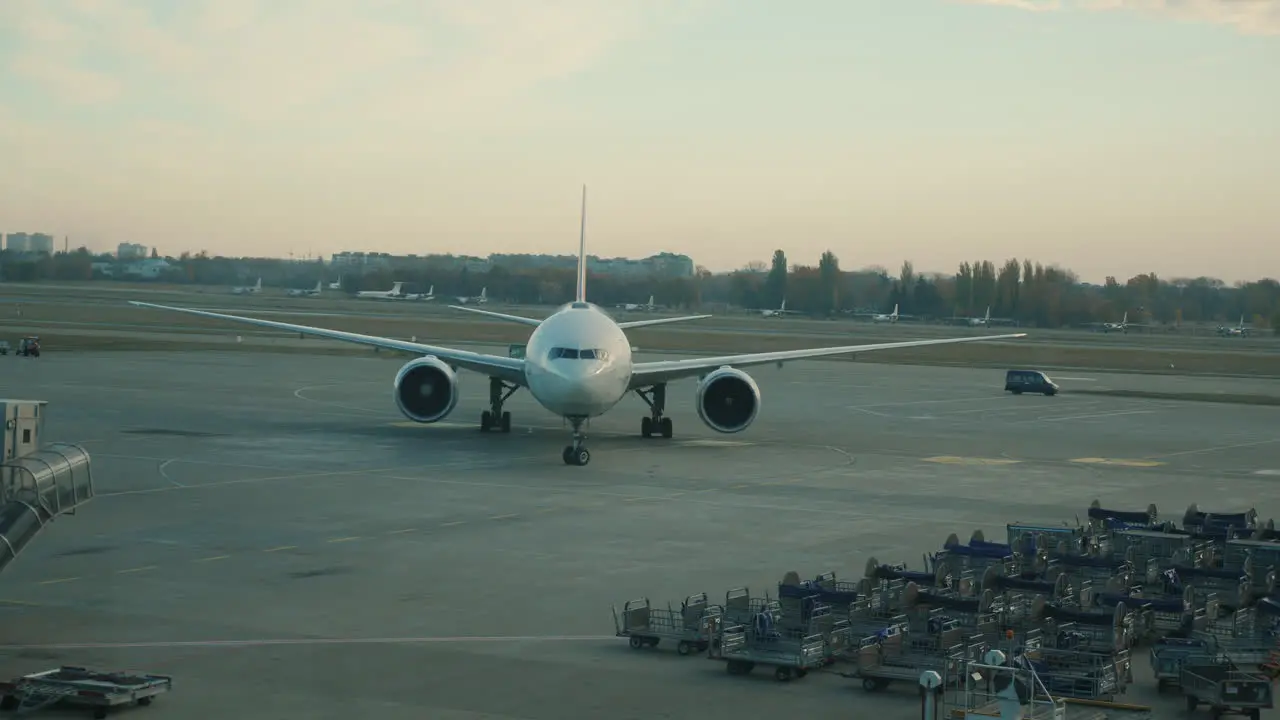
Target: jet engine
[426, 390]
[728, 400]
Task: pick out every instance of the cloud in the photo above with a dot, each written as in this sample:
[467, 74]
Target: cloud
[1250, 17]
[266, 61]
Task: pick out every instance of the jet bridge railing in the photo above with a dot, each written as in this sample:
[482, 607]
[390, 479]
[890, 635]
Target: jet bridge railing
[36, 488]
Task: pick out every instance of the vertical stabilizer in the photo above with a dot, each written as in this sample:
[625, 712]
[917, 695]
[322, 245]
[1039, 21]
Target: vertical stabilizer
[650, 301]
[581, 295]
[987, 318]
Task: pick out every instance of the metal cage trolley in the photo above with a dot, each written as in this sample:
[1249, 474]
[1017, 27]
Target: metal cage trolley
[688, 627]
[77, 686]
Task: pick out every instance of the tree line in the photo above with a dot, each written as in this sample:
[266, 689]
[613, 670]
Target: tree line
[1021, 291]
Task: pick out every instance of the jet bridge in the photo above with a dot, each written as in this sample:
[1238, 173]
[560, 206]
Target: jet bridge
[36, 484]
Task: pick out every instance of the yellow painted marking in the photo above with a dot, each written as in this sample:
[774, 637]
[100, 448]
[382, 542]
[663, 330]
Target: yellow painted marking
[505, 517]
[1118, 462]
[20, 603]
[57, 581]
[401, 532]
[136, 570]
[282, 547]
[957, 460]
[451, 524]
[215, 557]
[344, 539]
[739, 487]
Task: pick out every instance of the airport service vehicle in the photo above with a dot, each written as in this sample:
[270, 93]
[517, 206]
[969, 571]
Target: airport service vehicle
[1032, 381]
[578, 365]
[29, 346]
[102, 691]
[4, 347]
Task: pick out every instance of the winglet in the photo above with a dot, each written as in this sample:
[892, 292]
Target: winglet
[582, 252]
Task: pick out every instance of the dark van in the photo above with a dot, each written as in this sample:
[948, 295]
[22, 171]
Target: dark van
[1032, 381]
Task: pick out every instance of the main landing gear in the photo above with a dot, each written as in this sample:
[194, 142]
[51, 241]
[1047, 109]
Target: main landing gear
[576, 454]
[495, 418]
[656, 423]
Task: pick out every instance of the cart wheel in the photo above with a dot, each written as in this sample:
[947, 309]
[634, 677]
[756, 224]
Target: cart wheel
[870, 684]
[636, 643]
[683, 648]
[783, 674]
[99, 713]
[801, 672]
[1160, 685]
[702, 647]
[1192, 702]
[653, 642]
[144, 701]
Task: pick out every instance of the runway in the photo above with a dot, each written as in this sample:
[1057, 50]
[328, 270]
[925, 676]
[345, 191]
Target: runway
[367, 566]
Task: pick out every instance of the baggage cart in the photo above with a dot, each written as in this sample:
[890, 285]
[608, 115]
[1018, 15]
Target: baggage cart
[1219, 684]
[646, 626]
[1168, 655]
[745, 646]
[889, 657]
[77, 686]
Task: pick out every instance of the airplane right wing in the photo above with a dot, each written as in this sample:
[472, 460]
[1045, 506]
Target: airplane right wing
[649, 373]
[499, 366]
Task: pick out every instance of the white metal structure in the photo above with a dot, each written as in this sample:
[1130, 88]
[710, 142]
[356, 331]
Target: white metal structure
[578, 365]
[480, 299]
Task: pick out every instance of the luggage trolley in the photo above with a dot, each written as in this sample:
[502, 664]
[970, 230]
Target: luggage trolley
[69, 685]
[743, 646]
[1259, 559]
[1224, 687]
[647, 626]
[1168, 655]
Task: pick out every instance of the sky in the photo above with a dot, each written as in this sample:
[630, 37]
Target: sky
[1113, 137]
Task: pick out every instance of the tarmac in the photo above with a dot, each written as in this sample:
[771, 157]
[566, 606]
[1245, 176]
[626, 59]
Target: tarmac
[271, 532]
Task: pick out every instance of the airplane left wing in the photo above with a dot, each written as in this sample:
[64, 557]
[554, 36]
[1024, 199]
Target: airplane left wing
[499, 366]
[659, 321]
[648, 373]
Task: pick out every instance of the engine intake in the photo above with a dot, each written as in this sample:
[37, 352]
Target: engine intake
[728, 400]
[426, 390]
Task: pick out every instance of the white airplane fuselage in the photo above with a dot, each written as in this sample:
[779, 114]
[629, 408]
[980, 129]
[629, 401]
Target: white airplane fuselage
[573, 386]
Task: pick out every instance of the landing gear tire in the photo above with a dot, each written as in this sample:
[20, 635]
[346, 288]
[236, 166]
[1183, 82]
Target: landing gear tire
[656, 423]
[576, 456]
[495, 418]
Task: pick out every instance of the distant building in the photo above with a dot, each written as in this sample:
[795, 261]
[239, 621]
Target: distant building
[29, 243]
[148, 269]
[131, 251]
[664, 265]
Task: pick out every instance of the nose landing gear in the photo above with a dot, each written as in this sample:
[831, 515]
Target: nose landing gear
[576, 454]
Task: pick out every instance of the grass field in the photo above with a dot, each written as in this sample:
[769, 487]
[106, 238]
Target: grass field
[96, 317]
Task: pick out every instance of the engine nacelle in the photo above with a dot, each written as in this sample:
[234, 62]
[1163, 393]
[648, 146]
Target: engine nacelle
[426, 390]
[728, 400]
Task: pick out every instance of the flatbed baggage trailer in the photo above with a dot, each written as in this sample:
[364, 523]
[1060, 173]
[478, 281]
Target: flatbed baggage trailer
[745, 646]
[646, 626]
[1226, 689]
[882, 660]
[74, 686]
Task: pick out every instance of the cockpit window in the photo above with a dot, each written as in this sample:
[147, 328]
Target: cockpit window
[562, 353]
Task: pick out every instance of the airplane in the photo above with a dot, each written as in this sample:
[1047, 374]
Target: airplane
[1237, 331]
[480, 299]
[395, 293]
[313, 292]
[781, 311]
[1122, 326]
[891, 317]
[249, 290]
[636, 307]
[984, 321]
[578, 365]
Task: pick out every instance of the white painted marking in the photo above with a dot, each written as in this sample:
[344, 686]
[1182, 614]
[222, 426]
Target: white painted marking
[1219, 448]
[1075, 379]
[1095, 415]
[714, 443]
[1266, 472]
[165, 475]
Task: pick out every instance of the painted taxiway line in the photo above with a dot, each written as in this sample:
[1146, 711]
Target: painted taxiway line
[1117, 462]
